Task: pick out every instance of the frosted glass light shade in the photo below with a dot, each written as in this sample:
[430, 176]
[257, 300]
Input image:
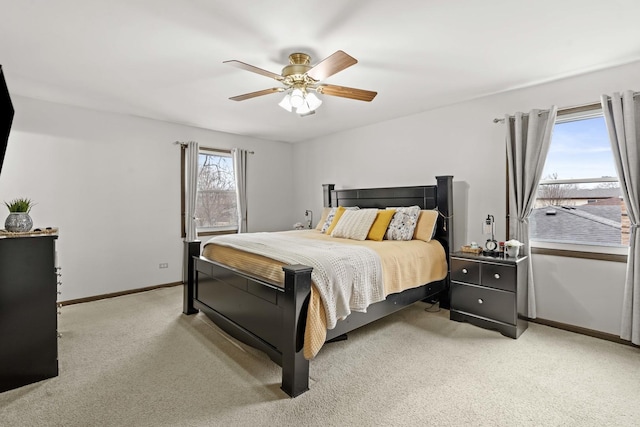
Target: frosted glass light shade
[300, 102]
[303, 109]
[297, 98]
[313, 101]
[286, 103]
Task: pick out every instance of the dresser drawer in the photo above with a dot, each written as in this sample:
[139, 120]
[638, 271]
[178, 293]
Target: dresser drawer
[498, 276]
[466, 271]
[492, 304]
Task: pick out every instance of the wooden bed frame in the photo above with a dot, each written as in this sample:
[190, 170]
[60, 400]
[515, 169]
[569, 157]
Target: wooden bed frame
[272, 318]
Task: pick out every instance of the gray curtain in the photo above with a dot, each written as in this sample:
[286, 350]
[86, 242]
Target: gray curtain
[622, 115]
[528, 138]
[240, 168]
[191, 181]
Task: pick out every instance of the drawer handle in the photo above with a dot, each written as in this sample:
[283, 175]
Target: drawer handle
[480, 301]
[464, 271]
[497, 276]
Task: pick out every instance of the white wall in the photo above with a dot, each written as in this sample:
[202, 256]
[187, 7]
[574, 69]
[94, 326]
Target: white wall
[111, 183]
[463, 141]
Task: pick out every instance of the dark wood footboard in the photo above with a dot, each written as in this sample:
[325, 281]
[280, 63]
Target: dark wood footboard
[263, 315]
[272, 317]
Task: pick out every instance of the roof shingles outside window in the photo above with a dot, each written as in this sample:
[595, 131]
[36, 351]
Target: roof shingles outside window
[597, 223]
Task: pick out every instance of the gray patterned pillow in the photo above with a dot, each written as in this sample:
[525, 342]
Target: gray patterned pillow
[403, 223]
[329, 219]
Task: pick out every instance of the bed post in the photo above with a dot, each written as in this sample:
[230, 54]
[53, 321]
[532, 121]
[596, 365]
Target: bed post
[295, 368]
[191, 249]
[326, 194]
[445, 207]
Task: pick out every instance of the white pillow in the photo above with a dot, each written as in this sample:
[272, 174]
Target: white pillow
[403, 223]
[355, 224]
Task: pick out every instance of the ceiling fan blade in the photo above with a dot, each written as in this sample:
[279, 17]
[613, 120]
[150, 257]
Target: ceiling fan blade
[258, 93]
[243, 66]
[331, 65]
[347, 92]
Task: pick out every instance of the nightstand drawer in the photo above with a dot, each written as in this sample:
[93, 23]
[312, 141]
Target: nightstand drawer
[499, 276]
[465, 271]
[489, 303]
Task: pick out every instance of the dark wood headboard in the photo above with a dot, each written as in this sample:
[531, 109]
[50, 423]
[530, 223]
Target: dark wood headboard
[438, 196]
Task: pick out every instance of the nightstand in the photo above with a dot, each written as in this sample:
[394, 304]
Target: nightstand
[490, 292]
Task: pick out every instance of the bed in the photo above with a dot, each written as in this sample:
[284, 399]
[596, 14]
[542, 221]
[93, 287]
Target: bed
[274, 315]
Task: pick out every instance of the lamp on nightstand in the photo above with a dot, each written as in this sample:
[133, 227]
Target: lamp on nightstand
[308, 214]
[488, 227]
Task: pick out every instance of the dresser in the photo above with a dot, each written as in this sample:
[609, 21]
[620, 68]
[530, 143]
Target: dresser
[28, 310]
[490, 292]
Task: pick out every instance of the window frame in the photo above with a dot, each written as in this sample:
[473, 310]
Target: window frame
[183, 192]
[576, 250]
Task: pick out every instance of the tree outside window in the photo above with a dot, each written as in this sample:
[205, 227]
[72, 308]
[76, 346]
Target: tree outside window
[216, 204]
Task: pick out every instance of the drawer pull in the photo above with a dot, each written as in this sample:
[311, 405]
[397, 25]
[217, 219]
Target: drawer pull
[497, 276]
[464, 271]
[480, 301]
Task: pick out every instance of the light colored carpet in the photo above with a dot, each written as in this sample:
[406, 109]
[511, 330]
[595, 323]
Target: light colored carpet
[136, 360]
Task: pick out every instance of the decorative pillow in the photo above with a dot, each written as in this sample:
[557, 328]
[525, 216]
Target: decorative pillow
[403, 223]
[379, 227]
[329, 219]
[355, 224]
[426, 225]
[323, 218]
[336, 218]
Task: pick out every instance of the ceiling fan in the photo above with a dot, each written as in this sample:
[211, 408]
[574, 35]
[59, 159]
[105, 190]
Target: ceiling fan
[300, 80]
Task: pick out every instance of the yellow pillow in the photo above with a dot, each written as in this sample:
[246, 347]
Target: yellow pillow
[323, 218]
[426, 225]
[380, 224]
[336, 218]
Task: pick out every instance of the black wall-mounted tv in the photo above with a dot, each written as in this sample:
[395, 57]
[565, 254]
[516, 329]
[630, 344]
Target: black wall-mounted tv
[6, 117]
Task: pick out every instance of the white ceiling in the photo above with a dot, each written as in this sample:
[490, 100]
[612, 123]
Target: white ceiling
[162, 59]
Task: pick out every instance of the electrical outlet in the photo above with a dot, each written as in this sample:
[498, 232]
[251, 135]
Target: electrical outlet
[164, 265]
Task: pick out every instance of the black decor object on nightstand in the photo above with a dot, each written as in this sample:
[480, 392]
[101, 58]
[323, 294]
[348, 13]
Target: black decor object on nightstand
[28, 310]
[490, 292]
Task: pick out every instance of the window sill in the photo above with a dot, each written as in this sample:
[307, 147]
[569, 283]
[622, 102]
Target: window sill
[603, 253]
[217, 232]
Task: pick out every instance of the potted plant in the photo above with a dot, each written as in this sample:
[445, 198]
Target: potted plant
[19, 219]
[512, 247]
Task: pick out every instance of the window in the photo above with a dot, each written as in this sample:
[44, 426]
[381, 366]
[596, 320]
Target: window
[579, 199]
[216, 202]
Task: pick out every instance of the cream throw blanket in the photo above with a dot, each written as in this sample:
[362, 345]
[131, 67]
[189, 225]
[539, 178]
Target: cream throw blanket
[348, 278]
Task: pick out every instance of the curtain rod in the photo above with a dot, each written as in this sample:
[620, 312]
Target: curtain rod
[497, 120]
[184, 145]
[569, 110]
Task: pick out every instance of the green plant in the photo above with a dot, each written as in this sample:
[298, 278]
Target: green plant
[20, 205]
